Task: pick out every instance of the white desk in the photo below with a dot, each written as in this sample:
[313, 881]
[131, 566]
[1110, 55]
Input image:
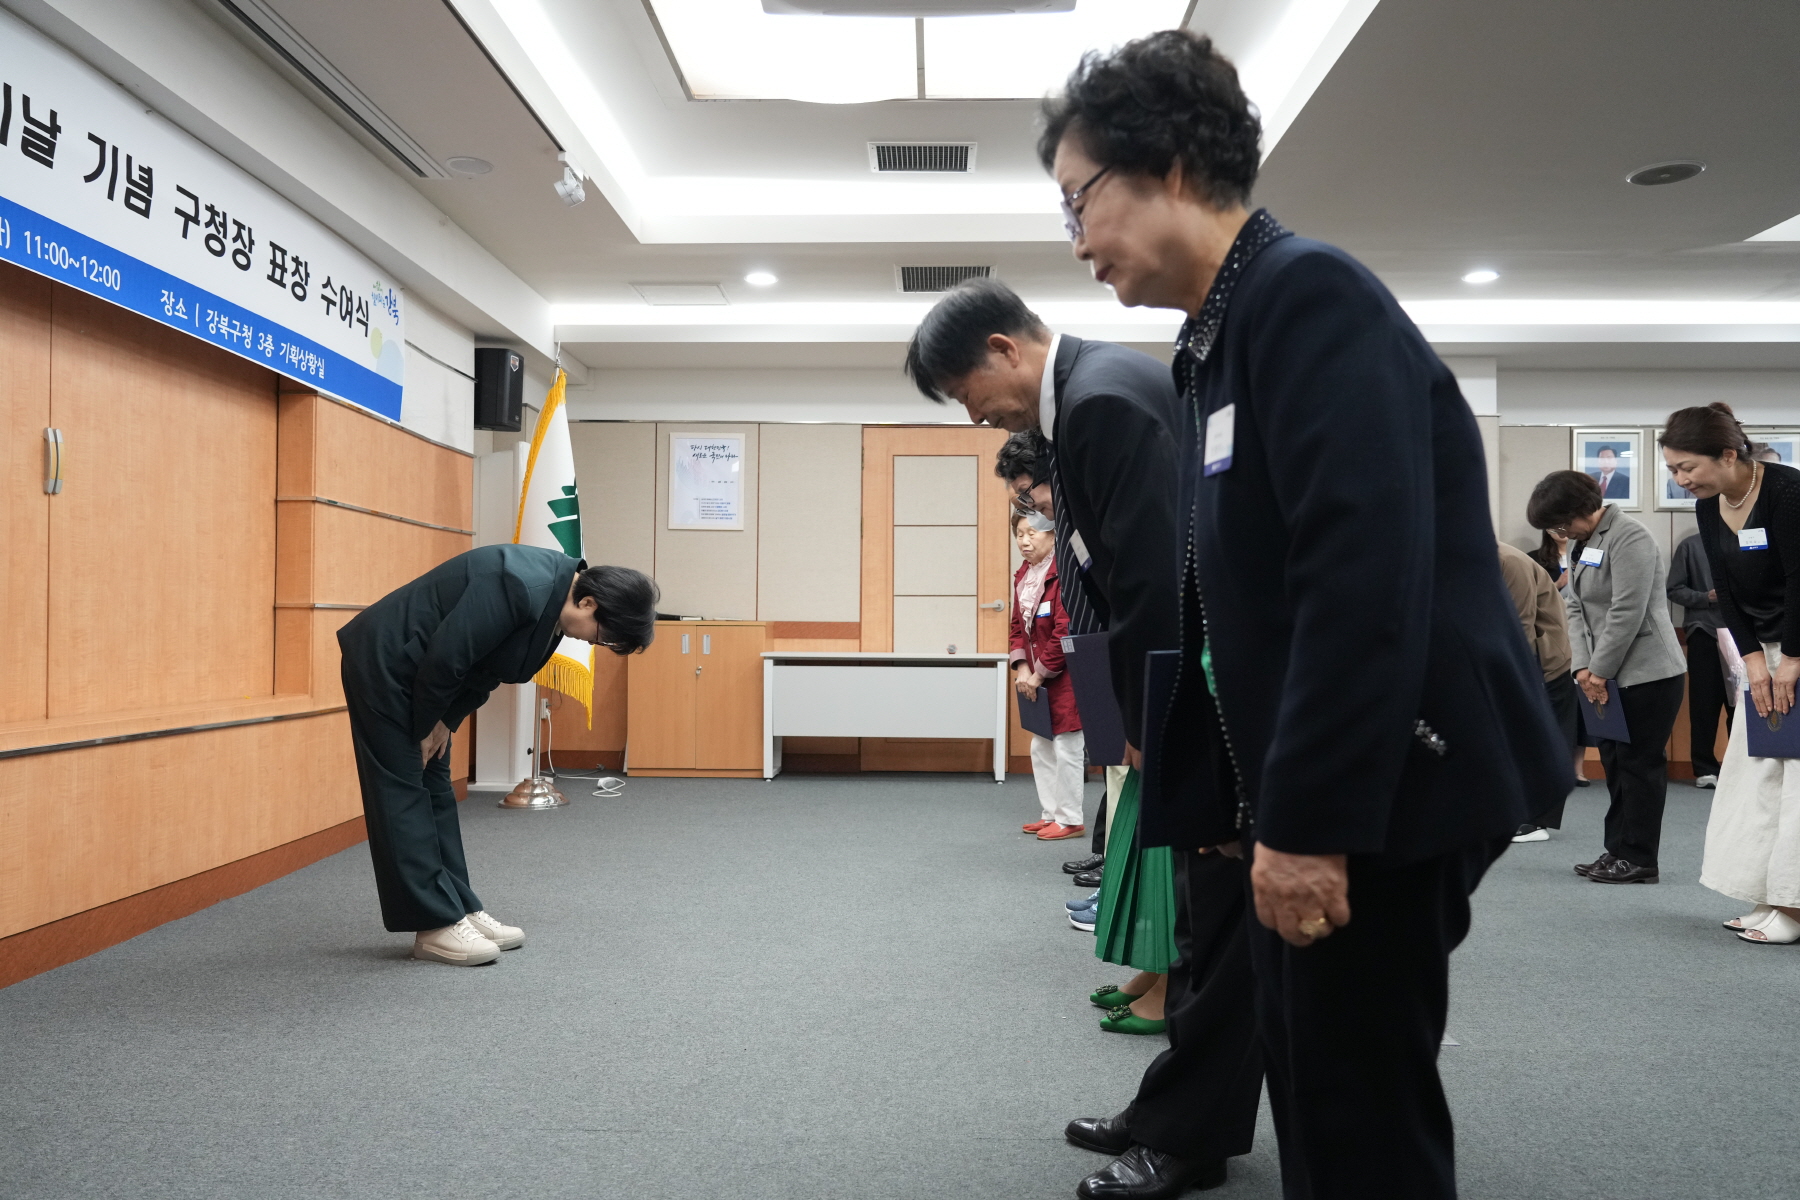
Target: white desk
[829, 693]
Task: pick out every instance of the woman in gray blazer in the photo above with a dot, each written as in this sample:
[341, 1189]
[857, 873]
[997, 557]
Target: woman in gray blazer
[1619, 630]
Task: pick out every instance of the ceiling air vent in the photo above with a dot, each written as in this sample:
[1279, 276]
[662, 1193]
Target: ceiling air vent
[921, 156]
[937, 279]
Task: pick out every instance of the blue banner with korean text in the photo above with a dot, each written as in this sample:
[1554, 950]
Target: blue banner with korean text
[101, 195]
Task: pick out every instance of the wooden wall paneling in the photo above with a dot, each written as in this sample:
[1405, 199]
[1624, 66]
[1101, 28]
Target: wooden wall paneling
[170, 486]
[294, 552]
[372, 464]
[660, 702]
[358, 558]
[993, 551]
[296, 435]
[57, 943]
[844, 644]
[25, 323]
[138, 815]
[327, 659]
[293, 651]
[878, 539]
[728, 699]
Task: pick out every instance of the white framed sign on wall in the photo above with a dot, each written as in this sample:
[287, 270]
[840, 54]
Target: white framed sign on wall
[706, 481]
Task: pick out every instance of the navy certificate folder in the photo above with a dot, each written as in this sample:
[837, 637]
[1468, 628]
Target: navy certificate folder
[1605, 720]
[1774, 736]
[1102, 724]
[1034, 715]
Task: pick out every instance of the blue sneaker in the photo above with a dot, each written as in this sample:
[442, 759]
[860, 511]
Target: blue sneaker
[1084, 902]
[1084, 920]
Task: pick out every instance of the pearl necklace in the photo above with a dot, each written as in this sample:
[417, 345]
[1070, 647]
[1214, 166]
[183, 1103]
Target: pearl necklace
[1755, 474]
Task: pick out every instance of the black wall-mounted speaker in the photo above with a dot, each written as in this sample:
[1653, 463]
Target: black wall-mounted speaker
[499, 390]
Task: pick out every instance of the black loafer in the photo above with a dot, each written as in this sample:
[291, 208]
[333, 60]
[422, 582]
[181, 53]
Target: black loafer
[1083, 864]
[1088, 878]
[1102, 1135]
[1620, 871]
[1145, 1174]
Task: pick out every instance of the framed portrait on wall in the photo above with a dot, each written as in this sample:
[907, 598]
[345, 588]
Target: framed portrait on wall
[1614, 458]
[1784, 441]
[1670, 496]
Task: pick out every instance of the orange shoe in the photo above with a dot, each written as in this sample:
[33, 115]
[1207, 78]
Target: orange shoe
[1035, 826]
[1056, 833]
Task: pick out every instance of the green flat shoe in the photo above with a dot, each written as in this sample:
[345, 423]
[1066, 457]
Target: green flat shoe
[1122, 1020]
[1110, 997]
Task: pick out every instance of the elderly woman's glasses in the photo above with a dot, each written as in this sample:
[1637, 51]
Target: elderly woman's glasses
[1071, 218]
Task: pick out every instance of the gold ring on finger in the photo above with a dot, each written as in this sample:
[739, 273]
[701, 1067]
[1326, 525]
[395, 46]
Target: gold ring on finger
[1315, 927]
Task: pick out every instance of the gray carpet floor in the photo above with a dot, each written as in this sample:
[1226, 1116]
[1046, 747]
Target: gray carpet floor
[829, 987]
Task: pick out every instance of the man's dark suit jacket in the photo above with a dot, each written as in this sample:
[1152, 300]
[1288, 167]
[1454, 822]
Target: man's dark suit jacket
[1116, 438]
[1617, 488]
[1346, 570]
[434, 649]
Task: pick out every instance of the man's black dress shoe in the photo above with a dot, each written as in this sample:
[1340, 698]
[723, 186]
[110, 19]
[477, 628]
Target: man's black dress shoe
[1145, 1174]
[1088, 878]
[1102, 1135]
[1620, 871]
[1582, 869]
[1084, 864]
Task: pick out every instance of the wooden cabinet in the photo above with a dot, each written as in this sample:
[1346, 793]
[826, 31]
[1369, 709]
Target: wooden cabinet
[695, 702]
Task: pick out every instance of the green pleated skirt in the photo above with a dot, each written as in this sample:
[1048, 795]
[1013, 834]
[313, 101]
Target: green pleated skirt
[1136, 925]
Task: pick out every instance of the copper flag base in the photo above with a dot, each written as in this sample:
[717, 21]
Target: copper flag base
[534, 793]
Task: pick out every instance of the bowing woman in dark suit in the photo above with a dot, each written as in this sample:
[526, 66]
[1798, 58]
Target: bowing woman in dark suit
[422, 658]
[1379, 727]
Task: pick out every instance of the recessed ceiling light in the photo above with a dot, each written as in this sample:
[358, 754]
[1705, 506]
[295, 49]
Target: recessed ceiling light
[760, 279]
[463, 165]
[1668, 172]
[1482, 276]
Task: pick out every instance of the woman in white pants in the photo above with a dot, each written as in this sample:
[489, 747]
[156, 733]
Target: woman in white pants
[1749, 518]
[1059, 763]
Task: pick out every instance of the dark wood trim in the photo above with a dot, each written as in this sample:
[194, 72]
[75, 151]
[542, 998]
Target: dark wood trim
[34, 951]
[815, 629]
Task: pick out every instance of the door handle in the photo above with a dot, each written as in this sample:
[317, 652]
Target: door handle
[53, 461]
[997, 606]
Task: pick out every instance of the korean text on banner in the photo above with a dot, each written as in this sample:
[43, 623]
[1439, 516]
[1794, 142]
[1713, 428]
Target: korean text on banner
[102, 196]
[550, 516]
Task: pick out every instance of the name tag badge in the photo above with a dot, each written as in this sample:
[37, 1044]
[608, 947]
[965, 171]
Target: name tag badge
[1081, 551]
[1044, 609]
[1220, 430]
[1591, 555]
[1753, 539]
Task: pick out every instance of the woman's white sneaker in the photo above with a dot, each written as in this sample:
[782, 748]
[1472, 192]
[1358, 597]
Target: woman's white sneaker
[507, 937]
[460, 945]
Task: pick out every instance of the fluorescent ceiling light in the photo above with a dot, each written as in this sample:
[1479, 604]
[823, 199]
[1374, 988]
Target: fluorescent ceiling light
[733, 50]
[1787, 231]
[1027, 56]
[760, 279]
[1481, 276]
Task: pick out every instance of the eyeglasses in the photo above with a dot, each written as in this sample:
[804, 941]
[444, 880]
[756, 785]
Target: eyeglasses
[1072, 219]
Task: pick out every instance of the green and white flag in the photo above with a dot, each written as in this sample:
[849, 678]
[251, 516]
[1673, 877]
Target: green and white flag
[550, 516]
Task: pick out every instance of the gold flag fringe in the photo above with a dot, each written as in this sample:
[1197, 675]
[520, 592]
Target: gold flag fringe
[571, 678]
